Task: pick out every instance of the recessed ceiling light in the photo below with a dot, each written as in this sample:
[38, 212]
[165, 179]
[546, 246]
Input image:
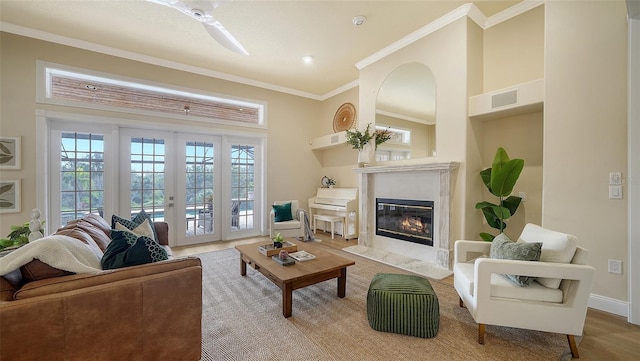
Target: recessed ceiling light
[359, 20]
[308, 59]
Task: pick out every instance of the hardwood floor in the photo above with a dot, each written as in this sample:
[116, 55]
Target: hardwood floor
[607, 337]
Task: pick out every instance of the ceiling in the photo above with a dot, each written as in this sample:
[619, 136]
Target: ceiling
[277, 34]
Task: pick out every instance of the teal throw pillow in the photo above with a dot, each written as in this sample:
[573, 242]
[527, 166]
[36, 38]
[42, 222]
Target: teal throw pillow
[134, 222]
[504, 248]
[127, 249]
[283, 212]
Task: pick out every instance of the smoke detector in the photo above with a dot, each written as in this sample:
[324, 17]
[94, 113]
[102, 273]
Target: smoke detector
[358, 20]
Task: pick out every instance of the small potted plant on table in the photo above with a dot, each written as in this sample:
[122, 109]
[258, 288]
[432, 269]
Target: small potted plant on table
[278, 239]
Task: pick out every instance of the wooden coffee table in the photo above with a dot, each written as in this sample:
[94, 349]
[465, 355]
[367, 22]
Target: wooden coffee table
[302, 274]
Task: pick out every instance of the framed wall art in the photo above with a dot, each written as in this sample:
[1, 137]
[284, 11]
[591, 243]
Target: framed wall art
[10, 153]
[10, 196]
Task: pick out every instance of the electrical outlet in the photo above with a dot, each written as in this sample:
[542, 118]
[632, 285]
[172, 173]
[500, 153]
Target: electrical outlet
[615, 192]
[615, 266]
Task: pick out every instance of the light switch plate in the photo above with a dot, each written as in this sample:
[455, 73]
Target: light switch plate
[615, 178]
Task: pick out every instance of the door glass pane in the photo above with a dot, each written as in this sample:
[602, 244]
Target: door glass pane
[147, 177]
[199, 188]
[242, 186]
[81, 176]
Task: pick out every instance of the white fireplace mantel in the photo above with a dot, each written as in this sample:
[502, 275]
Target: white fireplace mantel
[446, 166]
[408, 181]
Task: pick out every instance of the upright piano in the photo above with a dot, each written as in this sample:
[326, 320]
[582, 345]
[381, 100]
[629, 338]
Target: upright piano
[339, 202]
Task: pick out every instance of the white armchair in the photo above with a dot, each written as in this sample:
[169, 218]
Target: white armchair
[495, 300]
[293, 228]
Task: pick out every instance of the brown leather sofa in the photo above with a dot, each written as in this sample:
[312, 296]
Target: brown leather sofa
[147, 312]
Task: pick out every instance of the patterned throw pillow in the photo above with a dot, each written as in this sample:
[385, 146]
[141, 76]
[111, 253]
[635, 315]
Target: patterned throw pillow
[143, 229]
[283, 212]
[128, 249]
[504, 248]
[134, 222]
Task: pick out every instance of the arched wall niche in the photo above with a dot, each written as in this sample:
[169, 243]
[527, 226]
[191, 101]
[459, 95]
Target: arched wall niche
[406, 106]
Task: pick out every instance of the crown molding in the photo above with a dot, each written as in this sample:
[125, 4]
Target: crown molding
[342, 89]
[469, 10]
[416, 35]
[85, 45]
[512, 12]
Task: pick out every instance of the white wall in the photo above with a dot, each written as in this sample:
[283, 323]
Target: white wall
[585, 131]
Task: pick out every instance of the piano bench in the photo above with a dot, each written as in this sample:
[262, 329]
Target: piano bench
[326, 218]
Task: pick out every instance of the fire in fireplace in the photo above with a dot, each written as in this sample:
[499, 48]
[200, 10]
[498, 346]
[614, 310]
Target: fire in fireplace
[408, 220]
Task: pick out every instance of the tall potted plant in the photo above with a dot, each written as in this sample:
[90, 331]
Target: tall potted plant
[500, 180]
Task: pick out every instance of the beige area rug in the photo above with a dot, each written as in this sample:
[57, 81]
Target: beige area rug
[242, 320]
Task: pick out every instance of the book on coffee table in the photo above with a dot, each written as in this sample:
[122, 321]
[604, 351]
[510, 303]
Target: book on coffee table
[285, 262]
[302, 256]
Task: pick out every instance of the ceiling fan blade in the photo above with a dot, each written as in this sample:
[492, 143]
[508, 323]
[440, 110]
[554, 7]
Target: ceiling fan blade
[222, 36]
[213, 27]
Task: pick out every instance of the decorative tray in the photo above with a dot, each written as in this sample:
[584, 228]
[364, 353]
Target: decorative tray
[269, 250]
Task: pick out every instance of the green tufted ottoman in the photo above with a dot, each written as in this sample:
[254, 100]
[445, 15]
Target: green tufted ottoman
[403, 304]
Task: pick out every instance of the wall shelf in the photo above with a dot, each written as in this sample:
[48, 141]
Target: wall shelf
[328, 141]
[519, 99]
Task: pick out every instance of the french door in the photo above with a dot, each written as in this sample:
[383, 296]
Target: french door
[203, 184]
[207, 187]
[198, 189]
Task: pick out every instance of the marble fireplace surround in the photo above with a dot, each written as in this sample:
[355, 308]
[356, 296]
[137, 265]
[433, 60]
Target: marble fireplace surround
[428, 181]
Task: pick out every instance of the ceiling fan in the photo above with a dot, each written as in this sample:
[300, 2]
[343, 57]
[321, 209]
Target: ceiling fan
[201, 11]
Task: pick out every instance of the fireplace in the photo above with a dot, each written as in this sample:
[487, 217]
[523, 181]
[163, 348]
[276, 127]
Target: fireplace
[405, 219]
[419, 181]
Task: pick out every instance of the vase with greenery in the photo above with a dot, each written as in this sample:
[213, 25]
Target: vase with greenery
[500, 180]
[359, 140]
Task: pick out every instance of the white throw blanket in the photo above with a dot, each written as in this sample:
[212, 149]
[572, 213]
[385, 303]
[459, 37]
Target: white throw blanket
[61, 252]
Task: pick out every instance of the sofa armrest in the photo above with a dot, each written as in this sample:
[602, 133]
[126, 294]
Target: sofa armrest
[465, 251]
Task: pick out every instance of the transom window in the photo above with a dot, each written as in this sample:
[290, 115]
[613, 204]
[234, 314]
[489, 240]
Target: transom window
[131, 95]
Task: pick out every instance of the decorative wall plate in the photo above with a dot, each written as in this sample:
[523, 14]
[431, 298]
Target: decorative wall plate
[344, 118]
